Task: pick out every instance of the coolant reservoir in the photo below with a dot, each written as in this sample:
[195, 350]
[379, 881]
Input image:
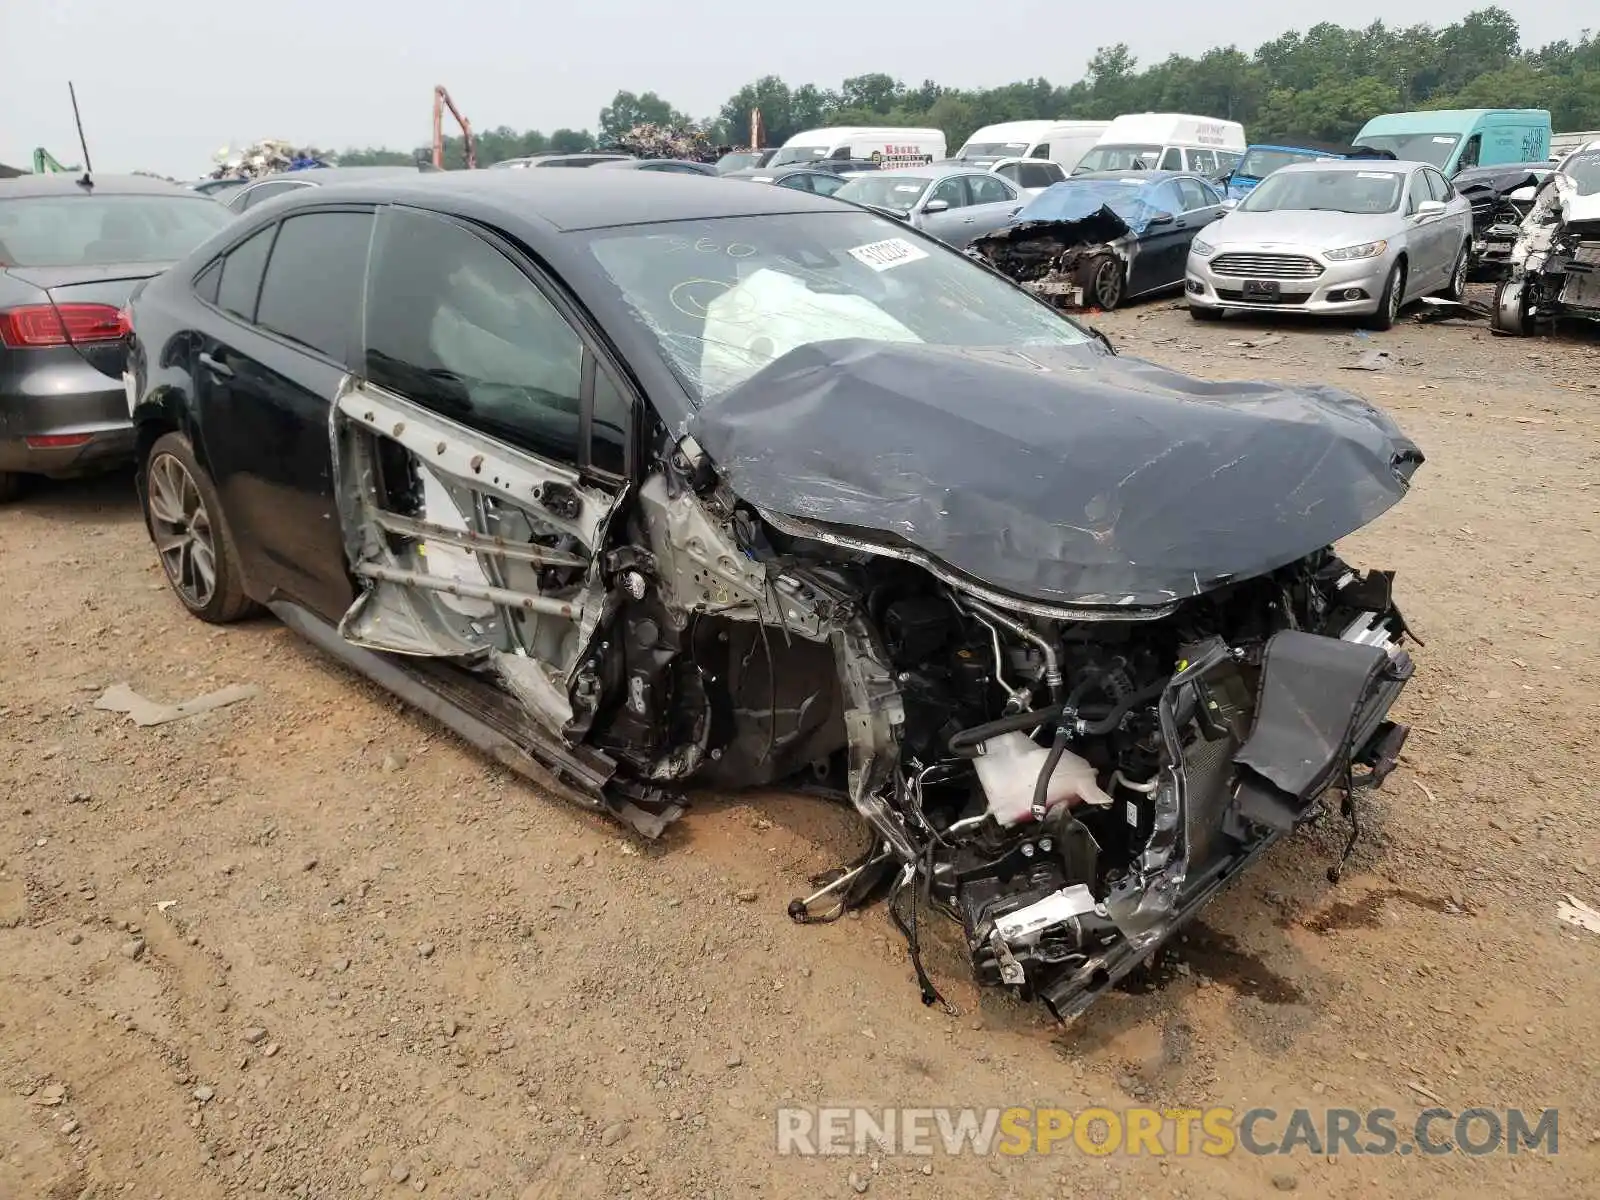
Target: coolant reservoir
[1008, 769]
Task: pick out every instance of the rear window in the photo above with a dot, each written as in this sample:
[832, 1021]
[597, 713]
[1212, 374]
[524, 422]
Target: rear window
[86, 230]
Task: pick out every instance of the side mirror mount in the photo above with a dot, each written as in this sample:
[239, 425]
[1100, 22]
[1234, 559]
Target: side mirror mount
[1229, 204]
[936, 206]
[1430, 210]
[1161, 218]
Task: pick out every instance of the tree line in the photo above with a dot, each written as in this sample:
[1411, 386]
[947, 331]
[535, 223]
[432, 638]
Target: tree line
[1323, 83]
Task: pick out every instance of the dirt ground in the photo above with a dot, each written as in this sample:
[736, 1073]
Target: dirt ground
[311, 946]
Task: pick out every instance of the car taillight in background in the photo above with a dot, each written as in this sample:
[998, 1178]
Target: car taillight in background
[36, 325]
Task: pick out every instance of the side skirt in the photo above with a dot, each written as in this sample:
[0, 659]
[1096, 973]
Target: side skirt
[584, 777]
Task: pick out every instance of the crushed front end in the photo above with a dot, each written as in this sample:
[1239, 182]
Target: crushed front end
[1057, 260]
[1555, 260]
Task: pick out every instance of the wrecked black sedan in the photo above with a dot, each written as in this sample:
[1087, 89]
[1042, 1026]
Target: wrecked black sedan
[1103, 238]
[649, 484]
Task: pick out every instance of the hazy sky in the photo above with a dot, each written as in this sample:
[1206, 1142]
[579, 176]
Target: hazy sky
[164, 83]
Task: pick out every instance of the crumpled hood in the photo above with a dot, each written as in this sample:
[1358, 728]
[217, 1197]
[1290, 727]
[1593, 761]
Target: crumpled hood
[1063, 474]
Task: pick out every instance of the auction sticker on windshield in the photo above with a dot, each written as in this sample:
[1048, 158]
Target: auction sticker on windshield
[891, 252]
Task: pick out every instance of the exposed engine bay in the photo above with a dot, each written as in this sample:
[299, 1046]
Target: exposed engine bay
[1555, 260]
[1501, 198]
[1067, 758]
[1058, 260]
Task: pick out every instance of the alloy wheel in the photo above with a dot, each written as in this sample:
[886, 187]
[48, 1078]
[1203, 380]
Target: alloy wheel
[1108, 284]
[1395, 294]
[1458, 280]
[182, 530]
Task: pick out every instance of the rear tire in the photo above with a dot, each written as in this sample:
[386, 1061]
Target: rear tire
[196, 551]
[12, 485]
[1388, 303]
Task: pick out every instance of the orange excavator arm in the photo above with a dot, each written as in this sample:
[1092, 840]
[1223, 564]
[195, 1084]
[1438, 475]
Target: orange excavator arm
[442, 101]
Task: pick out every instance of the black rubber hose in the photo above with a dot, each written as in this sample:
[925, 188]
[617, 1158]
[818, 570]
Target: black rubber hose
[1114, 718]
[1041, 786]
[965, 743]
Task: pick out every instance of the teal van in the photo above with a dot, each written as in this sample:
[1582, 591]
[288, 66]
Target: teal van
[1455, 138]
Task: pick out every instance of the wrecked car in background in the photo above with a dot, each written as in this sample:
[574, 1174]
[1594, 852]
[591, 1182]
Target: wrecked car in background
[1500, 197]
[1555, 261]
[733, 486]
[1101, 239]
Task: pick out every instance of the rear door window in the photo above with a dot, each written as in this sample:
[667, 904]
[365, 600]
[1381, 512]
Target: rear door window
[311, 292]
[1203, 162]
[799, 183]
[990, 189]
[241, 274]
[1041, 175]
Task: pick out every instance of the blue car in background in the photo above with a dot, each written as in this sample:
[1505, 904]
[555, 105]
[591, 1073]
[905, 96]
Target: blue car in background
[1263, 159]
[1099, 239]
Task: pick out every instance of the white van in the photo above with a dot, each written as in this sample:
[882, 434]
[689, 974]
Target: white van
[886, 145]
[1167, 142]
[1063, 142]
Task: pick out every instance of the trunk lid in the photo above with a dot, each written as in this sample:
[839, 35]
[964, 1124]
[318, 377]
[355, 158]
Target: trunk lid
[110, 284]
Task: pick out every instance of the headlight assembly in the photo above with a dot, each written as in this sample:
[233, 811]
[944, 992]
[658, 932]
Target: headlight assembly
[1365, 250]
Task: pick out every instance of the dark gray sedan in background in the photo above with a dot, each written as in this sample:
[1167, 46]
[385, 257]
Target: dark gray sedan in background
[70, 255]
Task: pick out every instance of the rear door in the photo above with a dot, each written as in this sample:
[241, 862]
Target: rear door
[995, 201]
[481, 459]
[285, 316]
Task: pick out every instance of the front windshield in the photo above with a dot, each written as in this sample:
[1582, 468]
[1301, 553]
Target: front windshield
[1584, 170]
[988, 152]
[798, 154]
[1119, 158]
[725, 297]
[76, 230]
[1328, 191]
[1260, 162]
[897, 193]
[1434, 148]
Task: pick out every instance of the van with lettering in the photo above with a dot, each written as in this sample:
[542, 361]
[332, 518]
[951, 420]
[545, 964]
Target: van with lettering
[885, 146]
[1453, 139]
[1167, 142]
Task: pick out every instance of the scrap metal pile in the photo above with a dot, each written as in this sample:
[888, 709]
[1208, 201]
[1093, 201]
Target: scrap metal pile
[684, 141]
[267, 157]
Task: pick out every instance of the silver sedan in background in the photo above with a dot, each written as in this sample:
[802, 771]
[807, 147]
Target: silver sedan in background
[1359, 237]
[953, 204]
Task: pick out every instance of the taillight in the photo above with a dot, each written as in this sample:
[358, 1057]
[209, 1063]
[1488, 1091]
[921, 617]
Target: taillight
[35, 325]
